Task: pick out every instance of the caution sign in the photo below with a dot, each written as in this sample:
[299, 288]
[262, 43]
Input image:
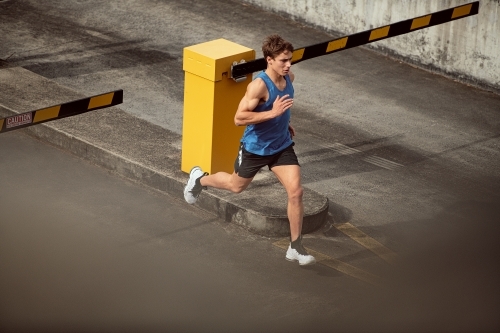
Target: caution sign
[16, 121]
[61, 111]
[364, 37]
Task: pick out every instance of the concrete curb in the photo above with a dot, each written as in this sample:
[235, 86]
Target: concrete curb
[149, 154]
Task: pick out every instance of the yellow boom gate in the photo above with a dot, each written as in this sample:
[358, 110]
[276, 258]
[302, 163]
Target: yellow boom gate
[212, 90]
[60, 111]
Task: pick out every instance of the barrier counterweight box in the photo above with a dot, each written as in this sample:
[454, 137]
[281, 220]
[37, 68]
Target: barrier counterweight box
[210, 139]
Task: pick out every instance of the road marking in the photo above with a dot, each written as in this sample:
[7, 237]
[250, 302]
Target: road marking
[342, 149]
[382, 162]
[337, 148]
[367, 242]
[334, 263]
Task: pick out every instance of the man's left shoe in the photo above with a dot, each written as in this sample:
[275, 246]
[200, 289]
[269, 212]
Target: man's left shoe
[193, 187]
[300, 254]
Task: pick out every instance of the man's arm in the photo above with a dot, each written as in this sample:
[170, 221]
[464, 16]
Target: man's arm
[290, 127]
[256, 91]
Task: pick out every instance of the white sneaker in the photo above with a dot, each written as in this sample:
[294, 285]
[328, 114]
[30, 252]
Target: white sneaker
[299, 255]
[193, 189]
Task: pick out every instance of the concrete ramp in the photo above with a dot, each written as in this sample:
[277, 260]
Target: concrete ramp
[149, 154]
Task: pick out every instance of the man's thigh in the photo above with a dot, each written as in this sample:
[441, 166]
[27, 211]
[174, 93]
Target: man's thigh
[289, 176]
[247, 164]
[240, 182]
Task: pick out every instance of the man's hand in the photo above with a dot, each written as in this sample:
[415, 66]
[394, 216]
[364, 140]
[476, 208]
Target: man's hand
[292, 130]
[281, 104]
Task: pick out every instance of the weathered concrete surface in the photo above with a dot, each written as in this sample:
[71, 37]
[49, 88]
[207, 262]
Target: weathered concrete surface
[147, 153]
[355, 98]
[467, 49]
[356, 114]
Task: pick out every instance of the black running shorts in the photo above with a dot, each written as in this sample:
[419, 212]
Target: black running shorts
[247, 164]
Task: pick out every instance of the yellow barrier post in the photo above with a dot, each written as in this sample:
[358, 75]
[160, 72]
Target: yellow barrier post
[210, 139]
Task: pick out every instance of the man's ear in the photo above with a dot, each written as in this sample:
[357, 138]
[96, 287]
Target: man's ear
[268, 59]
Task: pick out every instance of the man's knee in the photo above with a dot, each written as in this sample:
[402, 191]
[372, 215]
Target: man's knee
[296, 194]
[238, 186]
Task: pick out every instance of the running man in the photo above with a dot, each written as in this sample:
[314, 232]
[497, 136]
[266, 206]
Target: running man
[267, 141]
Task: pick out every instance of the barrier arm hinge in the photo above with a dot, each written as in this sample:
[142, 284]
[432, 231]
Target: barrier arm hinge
[238, 78]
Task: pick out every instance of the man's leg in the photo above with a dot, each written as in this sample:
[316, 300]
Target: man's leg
[289, 176]
[198, 180]
[225, 181]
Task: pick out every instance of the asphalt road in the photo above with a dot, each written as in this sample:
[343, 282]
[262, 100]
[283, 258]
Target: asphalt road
[409, 158]
[82, 249]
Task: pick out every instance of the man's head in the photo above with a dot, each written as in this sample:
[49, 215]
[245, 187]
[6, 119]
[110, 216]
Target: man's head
[274, 45]
[278, 53]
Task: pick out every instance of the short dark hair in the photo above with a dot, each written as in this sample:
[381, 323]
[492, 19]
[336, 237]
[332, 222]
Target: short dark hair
[274, 45]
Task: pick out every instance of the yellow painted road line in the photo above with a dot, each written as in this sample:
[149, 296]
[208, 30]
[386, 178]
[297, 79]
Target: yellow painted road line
[367, 242]
[334, 263]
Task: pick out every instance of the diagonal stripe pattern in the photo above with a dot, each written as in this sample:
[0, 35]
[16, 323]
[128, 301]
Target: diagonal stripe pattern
[61, 111]
[365, 37]
[336, 264]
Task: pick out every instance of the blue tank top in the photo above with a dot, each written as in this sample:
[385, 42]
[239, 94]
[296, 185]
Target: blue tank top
[271, 136]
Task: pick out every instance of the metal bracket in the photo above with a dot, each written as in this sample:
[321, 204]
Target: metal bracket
[240, 78]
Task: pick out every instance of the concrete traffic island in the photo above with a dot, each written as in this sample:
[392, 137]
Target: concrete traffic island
[149, 154]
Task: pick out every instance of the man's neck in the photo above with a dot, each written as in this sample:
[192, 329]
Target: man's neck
[275, 77]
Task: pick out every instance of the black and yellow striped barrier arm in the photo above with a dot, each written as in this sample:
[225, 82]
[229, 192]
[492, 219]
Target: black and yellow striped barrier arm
[61, 111]
[365, 37]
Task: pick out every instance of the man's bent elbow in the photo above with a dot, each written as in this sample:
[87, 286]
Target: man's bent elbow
[238, 122]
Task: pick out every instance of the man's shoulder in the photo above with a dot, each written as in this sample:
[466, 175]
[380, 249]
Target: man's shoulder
[257, 87]
[258, 81]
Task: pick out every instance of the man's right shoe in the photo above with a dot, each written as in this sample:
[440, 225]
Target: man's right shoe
[300, 255]
[193, 187]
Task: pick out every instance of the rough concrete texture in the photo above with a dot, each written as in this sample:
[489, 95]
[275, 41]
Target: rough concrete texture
[352, 99]
[147, 153]
[467, 49]
[410, 158]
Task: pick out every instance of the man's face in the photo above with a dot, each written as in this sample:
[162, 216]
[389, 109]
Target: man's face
[281, 64]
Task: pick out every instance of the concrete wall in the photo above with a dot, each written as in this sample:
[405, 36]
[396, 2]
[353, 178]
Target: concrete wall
[467, 49]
